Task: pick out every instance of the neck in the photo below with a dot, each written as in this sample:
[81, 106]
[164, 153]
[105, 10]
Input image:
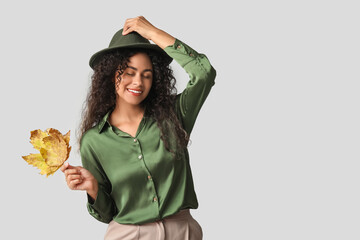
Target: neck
[127, 113]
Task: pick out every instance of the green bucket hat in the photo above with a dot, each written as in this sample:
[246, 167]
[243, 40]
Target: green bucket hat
[131, 40]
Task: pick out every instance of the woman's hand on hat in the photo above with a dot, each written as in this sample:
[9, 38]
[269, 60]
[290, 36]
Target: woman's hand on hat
[139, 25]
[148, 31]
[78, 178]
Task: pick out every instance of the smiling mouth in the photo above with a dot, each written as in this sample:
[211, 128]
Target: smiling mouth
[135, 92]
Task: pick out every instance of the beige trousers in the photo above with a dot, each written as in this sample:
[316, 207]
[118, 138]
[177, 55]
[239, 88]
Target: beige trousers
[181, 226]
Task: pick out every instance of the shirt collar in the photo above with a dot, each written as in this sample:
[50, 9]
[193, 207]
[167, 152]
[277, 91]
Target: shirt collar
[104, 121]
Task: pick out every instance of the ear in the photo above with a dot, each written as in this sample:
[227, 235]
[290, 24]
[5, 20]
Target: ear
[117, 79]
[117, 75]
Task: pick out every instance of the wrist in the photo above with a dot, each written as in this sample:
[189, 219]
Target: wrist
[93, 191]
[162, 38]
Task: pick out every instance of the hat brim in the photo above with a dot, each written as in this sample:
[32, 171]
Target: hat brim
[97, 56]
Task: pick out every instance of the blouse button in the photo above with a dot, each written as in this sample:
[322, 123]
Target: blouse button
[140, 156]
[135, 140]
[178, 47]
[149, 177]
[155, 199]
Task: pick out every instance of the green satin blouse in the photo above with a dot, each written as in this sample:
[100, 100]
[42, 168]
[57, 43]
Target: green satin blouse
[139, 180]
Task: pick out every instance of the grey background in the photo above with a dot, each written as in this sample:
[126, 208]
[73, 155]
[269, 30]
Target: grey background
[275, 150]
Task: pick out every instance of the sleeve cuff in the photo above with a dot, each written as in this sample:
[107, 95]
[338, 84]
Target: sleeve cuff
[181, 52]
[94, 206]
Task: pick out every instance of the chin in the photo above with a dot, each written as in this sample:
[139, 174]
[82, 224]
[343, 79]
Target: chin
[135, 103]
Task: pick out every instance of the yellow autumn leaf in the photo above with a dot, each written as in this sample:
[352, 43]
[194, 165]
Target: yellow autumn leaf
[36, 138]
[54, 150]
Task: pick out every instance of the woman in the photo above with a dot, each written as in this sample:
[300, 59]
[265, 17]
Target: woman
[135, 132]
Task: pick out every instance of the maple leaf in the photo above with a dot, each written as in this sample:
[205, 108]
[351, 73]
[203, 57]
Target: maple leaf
[54, 150]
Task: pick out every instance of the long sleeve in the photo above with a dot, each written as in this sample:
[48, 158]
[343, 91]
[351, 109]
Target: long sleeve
[202, 78]
[103, 208]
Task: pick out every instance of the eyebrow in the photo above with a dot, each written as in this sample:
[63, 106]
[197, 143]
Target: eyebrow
[146, 70]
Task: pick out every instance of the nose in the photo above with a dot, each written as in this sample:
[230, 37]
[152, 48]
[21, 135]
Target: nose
[137, 80]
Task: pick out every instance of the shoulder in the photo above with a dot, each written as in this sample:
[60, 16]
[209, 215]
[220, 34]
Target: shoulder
[89, 137]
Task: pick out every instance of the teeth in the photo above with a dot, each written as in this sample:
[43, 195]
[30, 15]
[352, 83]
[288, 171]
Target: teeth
[134, 91]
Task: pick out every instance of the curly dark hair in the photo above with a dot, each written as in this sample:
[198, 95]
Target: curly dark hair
[159, 103]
